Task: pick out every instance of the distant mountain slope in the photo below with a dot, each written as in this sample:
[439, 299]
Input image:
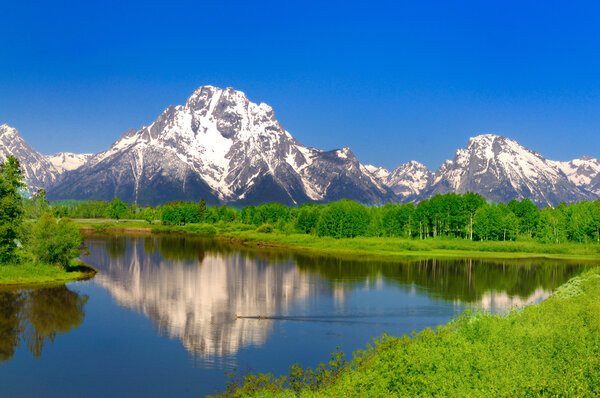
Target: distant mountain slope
[67, 161]
[500, 169]
[226, 149]
[39, 171]
[222, 147]
[406, 181]
[583, 172]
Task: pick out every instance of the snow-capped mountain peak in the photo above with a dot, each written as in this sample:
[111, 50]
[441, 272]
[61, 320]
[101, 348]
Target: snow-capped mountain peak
[409, 179]
[406, 181]
[381, 173]
[501, 169]
[583, 172]
[38, 171]
[222, 146]
[67, 161]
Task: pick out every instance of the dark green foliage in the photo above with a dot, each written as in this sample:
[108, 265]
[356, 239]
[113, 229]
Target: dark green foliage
[270, 213]
[528, 215]
[265, 228]
[37, 205]
[12, 209]
[117, 209]
[298, 380]
[396, 220]
[54, 242]
[201, 208]
[171, 215]
[181, 213]
[80, 209]
[343, 219]
[308, 218]
[453, 216]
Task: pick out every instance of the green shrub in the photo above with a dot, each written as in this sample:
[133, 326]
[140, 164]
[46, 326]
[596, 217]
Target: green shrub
[117, 209]
[203, 229]
[265, 229]
[55, 242]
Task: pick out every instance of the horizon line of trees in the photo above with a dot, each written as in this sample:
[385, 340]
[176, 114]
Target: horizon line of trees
[466, 216]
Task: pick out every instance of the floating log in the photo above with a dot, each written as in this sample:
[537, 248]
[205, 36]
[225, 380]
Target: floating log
[253, 317]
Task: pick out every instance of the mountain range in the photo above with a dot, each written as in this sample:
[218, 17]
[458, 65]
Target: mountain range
[226, 149]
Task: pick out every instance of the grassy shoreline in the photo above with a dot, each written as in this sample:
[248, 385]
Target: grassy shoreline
[30, 274]
[547, 349]
[373, 247]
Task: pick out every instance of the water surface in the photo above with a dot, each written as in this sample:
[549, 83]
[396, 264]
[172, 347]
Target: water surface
[161, 317]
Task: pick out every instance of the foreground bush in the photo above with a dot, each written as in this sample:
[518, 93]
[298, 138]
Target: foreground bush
[55, 242]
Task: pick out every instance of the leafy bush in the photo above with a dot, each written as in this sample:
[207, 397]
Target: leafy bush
[117, 209]
[202, 229]
[265, 229]
[55, 242]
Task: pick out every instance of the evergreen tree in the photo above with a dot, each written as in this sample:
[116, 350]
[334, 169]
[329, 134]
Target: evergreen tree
[11, 208]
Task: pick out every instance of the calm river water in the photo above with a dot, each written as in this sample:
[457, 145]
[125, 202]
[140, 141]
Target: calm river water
[160, 319]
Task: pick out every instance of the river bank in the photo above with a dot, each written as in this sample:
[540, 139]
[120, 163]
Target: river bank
[374, 247]
[548, 349]
[30, 274]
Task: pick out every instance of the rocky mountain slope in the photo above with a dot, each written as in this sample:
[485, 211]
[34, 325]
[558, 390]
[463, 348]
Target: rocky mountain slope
[225, 148]
[222, 147]
[583, 172]
[500, 169]
[406, 181]
[39, 171]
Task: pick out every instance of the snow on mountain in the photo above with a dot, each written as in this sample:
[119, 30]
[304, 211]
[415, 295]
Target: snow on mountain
[409, 179]
[380, 173]
[500, 169]
[222, 147]
[225, 148]
[405, 181]
[583, 172]
[67, 161]
[39, 172]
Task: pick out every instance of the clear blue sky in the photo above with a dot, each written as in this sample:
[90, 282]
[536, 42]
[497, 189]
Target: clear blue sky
[394, 81]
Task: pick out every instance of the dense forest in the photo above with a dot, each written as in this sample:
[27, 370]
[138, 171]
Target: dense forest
[467, 216]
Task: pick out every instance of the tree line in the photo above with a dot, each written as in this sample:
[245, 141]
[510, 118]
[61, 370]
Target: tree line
[464, 216]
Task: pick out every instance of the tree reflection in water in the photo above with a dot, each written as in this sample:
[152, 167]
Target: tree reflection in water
[195, 288]
[36, 316]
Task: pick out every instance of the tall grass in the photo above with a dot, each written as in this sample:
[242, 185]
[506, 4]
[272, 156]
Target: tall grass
[31, 273]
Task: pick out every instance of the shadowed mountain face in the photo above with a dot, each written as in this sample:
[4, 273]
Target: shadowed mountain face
[583, 172]
[193, 289]
[501, 170]
[38, 170]
[222, 147]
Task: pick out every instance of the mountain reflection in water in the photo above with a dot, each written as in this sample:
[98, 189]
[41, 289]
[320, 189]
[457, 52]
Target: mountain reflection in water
[35, 317]
[193, 289]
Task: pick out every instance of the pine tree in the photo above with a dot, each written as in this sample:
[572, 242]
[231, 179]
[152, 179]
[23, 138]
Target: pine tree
[11, 208]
